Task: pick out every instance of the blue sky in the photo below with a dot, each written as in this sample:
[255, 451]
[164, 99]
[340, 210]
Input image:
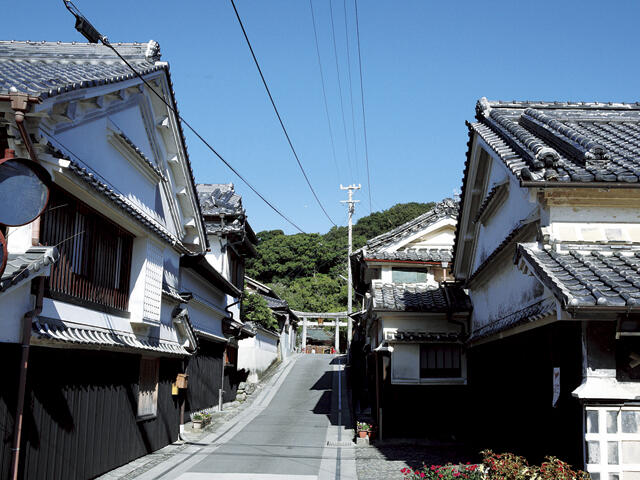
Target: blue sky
[425, 64]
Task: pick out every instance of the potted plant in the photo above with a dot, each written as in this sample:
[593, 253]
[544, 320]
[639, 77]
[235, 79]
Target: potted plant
[198, 421]
[364, 429]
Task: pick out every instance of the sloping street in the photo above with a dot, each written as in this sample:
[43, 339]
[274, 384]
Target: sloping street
[296, 430]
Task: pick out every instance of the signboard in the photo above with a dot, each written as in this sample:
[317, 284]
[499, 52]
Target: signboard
[556, 387]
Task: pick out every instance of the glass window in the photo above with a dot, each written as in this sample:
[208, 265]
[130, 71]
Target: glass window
[630, 420]
[408, 275]
[440, 360]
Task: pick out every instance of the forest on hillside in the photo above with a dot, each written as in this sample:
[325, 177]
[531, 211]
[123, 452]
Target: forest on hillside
[305, 268]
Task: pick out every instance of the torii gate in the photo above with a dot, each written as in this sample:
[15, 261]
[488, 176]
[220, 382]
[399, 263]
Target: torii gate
[334, 316]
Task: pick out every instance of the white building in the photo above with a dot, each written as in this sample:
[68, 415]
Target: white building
[548, 245]
[106, 342]
[409, 340]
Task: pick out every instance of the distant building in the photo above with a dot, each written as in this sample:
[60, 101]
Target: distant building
[408, 345]
[548, 246]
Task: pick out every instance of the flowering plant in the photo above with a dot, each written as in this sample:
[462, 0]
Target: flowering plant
[504, 466]
[364, 427]
[444, 472]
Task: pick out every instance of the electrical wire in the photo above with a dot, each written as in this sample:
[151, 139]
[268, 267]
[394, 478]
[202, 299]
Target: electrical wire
[81, 19]
[344, 123]
[364, 119]
[353, 117]
[324, 91]
[284, 129]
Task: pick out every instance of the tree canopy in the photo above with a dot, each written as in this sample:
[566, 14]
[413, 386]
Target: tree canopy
[255, 309]
[304, 269]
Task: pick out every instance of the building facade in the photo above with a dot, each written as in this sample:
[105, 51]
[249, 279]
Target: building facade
[408, 354]
[547, 245]
[106, 343]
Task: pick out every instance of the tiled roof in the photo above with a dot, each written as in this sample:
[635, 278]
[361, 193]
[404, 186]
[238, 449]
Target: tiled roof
[219, 198]
[275, 303]
[421, 336]
[21, 267]
[586, 275]
[564, 142]
[419, 298]
[415, 255]
[528, 314]
[446, 208]
[46, 69]
[55, 330]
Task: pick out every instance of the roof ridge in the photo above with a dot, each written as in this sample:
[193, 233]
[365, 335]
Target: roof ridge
[484, 102]
[28, 49]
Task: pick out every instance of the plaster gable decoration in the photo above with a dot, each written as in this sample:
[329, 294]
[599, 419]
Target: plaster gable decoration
[394, 240]
[51, 69]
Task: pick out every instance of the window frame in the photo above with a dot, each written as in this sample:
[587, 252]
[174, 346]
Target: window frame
[409, 270]
[603, 468]
[445, 377]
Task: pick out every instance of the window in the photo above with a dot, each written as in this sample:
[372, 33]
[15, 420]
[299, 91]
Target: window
[612, 442]
[148, 387]
[440, 360]
[409, 275]
[95, 254]
[236, 268]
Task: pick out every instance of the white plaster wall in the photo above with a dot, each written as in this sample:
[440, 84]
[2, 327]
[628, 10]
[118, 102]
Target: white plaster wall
[443, 238]
[405, 362]
[206, 309]
[431, 323]
[516, 207]
[19, 238]
[13, 305]
[428, 235]
[89, 141]
[507, 291]
[257, 354]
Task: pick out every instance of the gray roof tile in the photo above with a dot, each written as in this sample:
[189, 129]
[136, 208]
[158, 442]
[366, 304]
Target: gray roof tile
[564, 142]
[21, 267]
[587, 275]
[46, 69]
[219, 198]
[415, 255]
[419, 298]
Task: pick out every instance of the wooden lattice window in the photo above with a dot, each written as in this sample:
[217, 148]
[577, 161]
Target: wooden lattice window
[148, 387]
[95, 254]
[440, 360]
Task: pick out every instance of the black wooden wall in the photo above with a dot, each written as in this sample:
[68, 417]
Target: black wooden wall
[511, 383]
[204, 370]
[80, 413]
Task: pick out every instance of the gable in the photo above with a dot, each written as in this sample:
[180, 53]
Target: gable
[110, 125]
[438, 236]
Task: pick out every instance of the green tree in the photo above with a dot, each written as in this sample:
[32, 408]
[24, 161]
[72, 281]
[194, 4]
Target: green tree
[288, 262]
[255, 309]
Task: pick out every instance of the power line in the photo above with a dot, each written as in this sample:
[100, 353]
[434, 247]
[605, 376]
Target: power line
[94, 36]
[353, 117]
[344, 123]
[364, 119]
[324, 92]
[286, 134]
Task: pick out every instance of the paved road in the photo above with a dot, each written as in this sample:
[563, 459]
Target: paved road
[285, 438]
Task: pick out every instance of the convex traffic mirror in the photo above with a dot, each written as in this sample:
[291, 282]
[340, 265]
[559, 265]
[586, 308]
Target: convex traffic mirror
[24, 191]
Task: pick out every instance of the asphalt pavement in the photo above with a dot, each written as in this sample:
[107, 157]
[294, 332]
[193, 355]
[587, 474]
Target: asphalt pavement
[298, 431]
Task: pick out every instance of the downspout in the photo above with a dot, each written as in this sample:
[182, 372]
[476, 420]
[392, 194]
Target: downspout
[27, 321]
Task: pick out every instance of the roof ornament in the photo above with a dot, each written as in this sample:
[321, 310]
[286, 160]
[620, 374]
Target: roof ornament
[483, 107]
[152, 54]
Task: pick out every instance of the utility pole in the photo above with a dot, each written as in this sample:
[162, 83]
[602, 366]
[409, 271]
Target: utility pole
[352, 206]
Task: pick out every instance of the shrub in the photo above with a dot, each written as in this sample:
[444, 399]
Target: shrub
[503, 466]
